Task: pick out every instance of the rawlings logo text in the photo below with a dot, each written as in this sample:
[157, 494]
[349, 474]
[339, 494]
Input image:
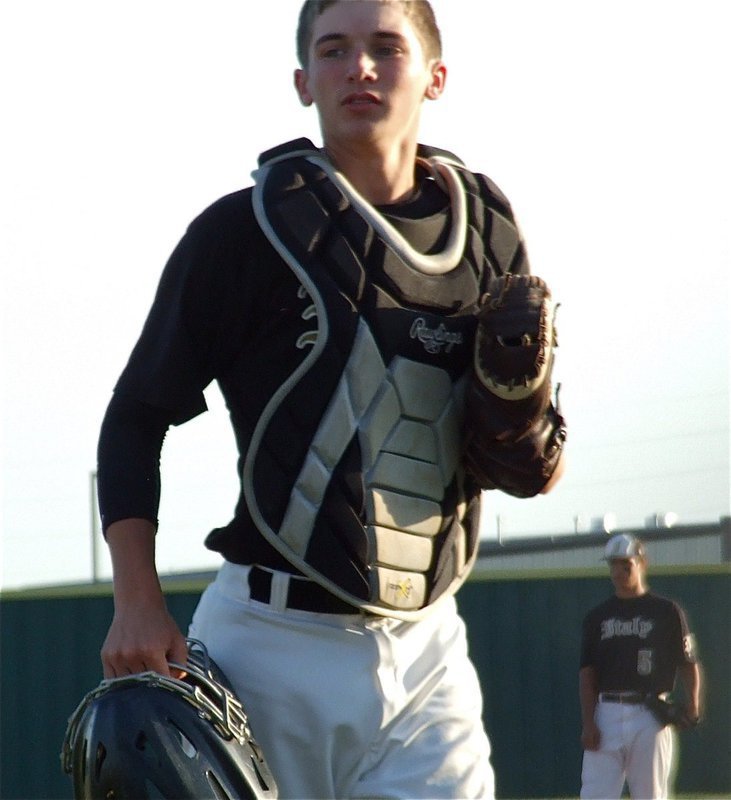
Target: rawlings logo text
[435, 339]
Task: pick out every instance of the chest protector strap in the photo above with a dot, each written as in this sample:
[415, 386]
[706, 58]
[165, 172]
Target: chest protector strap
[353, 471]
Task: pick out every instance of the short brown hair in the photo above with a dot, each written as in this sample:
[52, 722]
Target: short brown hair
[419, 12]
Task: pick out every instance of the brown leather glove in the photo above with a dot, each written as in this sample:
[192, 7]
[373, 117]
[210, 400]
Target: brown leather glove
[514, 434]
[667, 712]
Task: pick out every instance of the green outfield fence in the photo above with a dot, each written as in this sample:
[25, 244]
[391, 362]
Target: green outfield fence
[524, 634]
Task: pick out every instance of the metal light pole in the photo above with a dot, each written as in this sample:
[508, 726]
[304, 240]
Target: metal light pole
[94, 510]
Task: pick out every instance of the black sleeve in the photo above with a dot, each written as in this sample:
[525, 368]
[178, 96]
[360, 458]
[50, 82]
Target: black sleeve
[128, 460]
[683, 640]
[206, 304]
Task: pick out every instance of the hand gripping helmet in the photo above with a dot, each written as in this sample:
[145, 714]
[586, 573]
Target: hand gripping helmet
[151, 737]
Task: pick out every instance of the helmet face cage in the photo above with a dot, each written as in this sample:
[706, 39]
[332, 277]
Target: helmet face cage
[194, 729]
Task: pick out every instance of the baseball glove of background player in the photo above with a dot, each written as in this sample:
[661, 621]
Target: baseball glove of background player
[514, 435]
[666, 712]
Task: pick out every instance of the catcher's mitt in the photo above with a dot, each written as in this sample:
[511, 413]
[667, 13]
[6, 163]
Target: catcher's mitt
[667, 712]
[514, 434]
[515, 341]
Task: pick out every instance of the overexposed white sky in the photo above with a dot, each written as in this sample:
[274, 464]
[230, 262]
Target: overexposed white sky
[606, 123]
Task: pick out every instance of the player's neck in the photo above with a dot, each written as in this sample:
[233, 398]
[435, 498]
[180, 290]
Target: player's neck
[630, 593]
[381, 175]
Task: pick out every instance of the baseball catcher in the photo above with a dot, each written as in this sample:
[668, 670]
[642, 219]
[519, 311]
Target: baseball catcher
[515, 434]
[335, 303]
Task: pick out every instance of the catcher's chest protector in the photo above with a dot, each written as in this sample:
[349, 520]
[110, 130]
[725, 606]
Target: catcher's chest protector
[353, 472]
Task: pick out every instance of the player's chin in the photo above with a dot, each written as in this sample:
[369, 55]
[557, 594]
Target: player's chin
[360, 128]
[367, 121]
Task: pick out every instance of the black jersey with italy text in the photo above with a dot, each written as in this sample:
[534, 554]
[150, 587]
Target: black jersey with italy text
[636, 644]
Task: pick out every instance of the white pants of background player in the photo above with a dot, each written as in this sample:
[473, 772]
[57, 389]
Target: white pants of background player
[633, 747]
[351, 706]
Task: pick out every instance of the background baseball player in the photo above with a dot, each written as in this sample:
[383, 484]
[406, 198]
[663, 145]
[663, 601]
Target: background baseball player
[336, 304]
[633, 646]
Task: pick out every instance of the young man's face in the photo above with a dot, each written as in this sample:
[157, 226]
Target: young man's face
[367, 74]
[627, 575]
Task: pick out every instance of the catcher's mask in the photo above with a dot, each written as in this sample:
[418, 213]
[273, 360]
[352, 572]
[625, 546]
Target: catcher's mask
[150, 737]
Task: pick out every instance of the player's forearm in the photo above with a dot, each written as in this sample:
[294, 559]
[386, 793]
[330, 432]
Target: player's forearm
[132, 548]
[143, 636]
[690, 676]
[587, 694]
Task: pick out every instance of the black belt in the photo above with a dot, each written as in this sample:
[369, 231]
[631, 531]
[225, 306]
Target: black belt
[632, 698]
[303, 594]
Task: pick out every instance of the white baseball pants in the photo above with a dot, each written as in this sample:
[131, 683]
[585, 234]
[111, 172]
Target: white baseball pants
[351, 706]
[633, 747]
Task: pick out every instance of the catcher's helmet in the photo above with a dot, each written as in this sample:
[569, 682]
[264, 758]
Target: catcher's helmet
[150, 737]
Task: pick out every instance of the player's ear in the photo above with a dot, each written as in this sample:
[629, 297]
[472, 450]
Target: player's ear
[300, 84]
[438, 78]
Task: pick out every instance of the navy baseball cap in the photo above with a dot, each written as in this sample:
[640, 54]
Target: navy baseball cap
[623, 546]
